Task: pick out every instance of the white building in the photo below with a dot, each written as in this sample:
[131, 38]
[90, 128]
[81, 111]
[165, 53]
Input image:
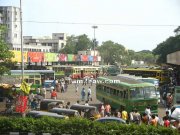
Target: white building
[10, 16]
[45, 44]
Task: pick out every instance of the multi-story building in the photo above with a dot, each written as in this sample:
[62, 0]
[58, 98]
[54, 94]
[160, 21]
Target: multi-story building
[45, 44]
[10, 17]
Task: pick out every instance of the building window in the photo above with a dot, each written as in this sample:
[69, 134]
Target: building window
[43, 44]
[15, 35]
[49, 44]
[62, 45]
[61, 38]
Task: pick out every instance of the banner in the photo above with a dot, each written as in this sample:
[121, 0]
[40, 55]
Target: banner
[21, 104]
[17, 56]
[95, 58]
[84, 57]
[78, 58]
[51, 57]
[70, 57]
[99, 58]
[62, 57]
[90, 58]
[36, 56]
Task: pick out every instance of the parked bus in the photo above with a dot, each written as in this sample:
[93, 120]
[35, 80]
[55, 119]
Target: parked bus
[77, 71]
[122, 92]
[176, 97]
[111, 70]
[34, 77]
[162, 75]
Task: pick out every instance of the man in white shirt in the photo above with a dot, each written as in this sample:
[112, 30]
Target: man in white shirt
[44, 92]
[89, 94]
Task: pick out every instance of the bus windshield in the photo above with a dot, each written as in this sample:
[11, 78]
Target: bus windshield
[143, 93]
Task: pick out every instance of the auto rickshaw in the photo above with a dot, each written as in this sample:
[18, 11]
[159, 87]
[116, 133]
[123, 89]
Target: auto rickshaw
[47, 104]
[89, 112]
[66, 112]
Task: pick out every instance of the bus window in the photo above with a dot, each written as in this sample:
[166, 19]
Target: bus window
[150, 92]
[37, 82]
[177, 96]
[136, 93]
[114, 92]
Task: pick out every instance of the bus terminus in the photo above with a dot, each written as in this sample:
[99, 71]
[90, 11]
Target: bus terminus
[162, 75]
[128, 93]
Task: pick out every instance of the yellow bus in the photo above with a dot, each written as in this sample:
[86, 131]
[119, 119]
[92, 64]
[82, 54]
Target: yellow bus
[162, 75]
[77, 71]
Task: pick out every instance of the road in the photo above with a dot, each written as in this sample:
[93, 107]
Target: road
[71, 96]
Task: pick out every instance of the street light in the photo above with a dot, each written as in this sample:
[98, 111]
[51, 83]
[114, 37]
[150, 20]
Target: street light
[94, 41]
[22, 56]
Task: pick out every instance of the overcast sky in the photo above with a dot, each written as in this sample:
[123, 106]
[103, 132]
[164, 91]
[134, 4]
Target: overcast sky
[136, 24]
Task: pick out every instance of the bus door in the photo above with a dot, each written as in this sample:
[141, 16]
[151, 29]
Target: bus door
[177, 97]
[82, 73]
[158, 76]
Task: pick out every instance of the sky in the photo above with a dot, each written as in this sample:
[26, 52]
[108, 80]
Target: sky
[135, 24]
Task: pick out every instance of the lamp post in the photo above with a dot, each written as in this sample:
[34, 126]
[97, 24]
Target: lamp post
[22, 56]
[94, 41]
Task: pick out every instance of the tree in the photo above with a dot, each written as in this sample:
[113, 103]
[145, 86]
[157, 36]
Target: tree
[172, 44]
[77, 43]
[70, 45]
[5, 54]
[112, 52]
[83, 43]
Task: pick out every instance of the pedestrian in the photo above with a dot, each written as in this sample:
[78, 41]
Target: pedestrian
[38, 90]
[89, 97]
[68, 105]
[54, 94]
[30, 98]
[102, 110]
[43, 91]
[76, 88]
[124, 114]
[145, 119]
[153, 121]
[169, 100]
[86, 103]
[148, 111]
[166, 121]
[83, 94]
[136, 117]
[62, 88]
[107, 110]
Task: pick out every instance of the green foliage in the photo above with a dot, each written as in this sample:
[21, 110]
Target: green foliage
[5, 54]
[113, 52]
[172, 44]
[77, 126]
[75, 44]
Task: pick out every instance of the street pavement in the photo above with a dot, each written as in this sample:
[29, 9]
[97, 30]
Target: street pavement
[72, 96]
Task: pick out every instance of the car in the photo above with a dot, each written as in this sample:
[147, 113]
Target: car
[111, 119]
[66, 112]
[48, 114]
[34, 113]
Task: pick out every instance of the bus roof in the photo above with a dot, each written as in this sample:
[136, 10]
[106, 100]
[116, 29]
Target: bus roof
[143, 69]
[123, 81]
[31, 71]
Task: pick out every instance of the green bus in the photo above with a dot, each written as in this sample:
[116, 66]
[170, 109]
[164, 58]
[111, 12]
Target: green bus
[35, 78]
[122, 92]
[176, 97]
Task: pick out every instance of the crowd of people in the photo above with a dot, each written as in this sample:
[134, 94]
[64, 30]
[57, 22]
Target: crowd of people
[146, 117]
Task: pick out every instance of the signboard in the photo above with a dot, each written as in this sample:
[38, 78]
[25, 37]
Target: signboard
[36, 56]
[51, 57]
[17, 56]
